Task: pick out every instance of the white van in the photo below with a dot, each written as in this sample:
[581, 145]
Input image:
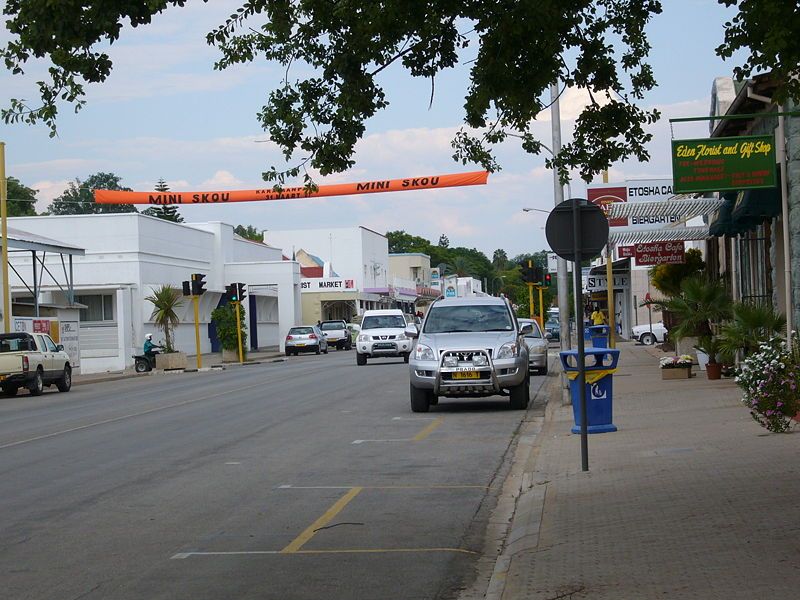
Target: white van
[382, 334]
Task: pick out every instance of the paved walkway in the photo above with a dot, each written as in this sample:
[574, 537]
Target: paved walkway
[689, 499]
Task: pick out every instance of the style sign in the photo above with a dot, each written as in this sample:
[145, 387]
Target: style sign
[598, 283]
[327, 284]
[721, 164]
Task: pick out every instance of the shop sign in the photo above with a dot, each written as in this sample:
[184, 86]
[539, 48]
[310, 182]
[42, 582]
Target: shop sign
[660, 253]
[720, 164]
[597, 283]
[634, 190]
[70, 339]
[327, 284]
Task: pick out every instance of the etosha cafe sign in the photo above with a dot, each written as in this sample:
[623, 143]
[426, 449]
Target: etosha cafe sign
[722, 164]
[655, 253]
[634, 190]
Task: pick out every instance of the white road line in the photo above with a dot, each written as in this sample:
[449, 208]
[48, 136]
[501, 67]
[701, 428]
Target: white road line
[395, 440]
[414, 418]
[233, 463]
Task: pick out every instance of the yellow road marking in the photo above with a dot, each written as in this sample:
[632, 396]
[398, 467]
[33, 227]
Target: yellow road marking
[309, 532]
[428, 430]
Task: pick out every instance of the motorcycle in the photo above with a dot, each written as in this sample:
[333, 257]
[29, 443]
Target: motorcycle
[144, 363]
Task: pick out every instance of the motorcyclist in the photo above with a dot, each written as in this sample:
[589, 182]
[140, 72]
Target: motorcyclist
[150, 348]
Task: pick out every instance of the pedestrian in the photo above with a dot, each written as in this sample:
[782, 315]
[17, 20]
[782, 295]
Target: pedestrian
[598, 318]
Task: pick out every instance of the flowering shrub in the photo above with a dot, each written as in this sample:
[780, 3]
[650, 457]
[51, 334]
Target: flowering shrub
[676, 362]
[770, 381]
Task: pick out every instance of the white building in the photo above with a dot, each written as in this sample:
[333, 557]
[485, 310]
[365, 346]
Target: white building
[358, 256]
[128, 255]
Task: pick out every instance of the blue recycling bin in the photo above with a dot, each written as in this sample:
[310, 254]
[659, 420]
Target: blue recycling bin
[600, 365]
[587, 335]
[600, 335]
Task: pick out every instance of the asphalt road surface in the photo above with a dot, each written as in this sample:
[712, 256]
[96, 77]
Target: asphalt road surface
[298, 480]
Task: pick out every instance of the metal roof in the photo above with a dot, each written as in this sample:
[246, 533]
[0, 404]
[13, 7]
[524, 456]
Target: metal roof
[22, 240]
[645, 236]
[684, 207]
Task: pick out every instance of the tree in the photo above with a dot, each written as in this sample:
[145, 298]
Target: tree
[444, 241]
[224, 319]
[401, 242]
[249, 233]
[165, 300]
[21, 199]
[499, 259]
[520, 49]
[168, 212]
[78, 199]
[667, 278]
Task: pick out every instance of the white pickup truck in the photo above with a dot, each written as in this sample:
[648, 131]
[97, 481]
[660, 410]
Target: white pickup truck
[32, 361]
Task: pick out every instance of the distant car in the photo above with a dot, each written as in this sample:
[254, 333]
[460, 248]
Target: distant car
[642, 334]
[337, 334]
[382, 334]
[537, 347]
[305, 338]
[553, 327]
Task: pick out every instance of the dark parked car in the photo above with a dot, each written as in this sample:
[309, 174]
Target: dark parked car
[553, 327]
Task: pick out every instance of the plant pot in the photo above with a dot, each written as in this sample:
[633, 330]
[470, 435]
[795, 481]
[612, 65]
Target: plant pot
[676, 373]
[231, 356]
[714, 370]
[171, 360]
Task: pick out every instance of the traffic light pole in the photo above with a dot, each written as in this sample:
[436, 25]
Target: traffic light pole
[531, 309]
[239, 332]
[196, 302]
[541, 309]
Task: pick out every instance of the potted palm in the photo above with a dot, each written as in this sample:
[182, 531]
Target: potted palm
[700, 306]
[166, 300]
[751, 326]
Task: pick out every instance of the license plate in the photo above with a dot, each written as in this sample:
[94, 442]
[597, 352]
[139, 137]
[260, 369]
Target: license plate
[383, 346]
[299, 344]
[466, 375]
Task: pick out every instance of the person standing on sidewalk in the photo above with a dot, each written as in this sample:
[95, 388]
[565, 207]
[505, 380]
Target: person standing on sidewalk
[598, 318]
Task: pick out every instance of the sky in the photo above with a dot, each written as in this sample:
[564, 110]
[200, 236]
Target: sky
[165, 113]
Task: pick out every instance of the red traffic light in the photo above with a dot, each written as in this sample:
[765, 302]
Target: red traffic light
[548, 279]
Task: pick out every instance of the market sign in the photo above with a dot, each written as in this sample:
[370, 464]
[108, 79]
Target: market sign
[722, 164]
[327, 284]
[655, 253]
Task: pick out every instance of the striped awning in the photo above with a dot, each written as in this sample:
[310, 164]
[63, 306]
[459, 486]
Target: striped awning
[683, 207]
[668, 234]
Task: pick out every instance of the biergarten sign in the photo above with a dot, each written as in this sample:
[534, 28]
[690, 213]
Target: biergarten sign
[655, 253]
[723, 164]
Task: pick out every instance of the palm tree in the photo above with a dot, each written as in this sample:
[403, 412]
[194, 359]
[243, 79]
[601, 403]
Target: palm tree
[462, 266]
[700, 304]
[165, 300]
[752, 324]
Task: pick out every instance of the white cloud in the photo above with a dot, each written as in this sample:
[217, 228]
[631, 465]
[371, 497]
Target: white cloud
[220, 181]
[47, 191]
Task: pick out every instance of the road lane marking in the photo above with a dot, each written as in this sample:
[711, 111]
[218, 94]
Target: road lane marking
[128, 416]
[390, 440]
[384, 487]
[185, 555]
[429, 429]
[414, 418]
[233, 463]
[309, 532]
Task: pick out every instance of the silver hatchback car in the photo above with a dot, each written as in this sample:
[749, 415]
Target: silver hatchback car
[469, 347]
[305, 338]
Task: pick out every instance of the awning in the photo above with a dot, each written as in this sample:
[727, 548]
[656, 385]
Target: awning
[744, 210]
[684, 207]
[721, 223]
[645, 236]
[621, 265]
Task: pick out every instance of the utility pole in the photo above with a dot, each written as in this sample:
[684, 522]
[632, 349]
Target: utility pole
[612, 334]
[558, 198]
[531, 309]
[4, 233]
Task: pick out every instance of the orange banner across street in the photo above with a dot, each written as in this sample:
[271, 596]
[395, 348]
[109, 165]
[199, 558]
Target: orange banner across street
[291, 193]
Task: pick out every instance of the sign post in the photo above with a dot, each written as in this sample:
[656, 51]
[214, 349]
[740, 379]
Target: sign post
[577, 230]
[239, 331]
[196, 302]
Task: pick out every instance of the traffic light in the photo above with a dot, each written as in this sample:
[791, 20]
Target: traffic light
[241, 292]
[548, 279]
[231, 293]
[538, 275]
[198, 284]
[527, 273]
[187, 291]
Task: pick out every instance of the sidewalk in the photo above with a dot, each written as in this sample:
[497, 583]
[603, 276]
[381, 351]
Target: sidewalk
[208, 360]
[689, 499]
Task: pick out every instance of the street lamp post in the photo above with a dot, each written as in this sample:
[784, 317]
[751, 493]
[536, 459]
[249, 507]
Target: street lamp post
[494, 287]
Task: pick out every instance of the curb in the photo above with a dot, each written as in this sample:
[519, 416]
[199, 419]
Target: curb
[107, 378]
[526, 519]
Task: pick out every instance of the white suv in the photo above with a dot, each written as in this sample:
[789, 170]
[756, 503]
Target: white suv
[382, 334]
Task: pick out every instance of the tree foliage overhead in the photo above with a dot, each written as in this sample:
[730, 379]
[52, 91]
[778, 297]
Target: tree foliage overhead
[21, 199]
[515, 51]
[78, 198]
[249, 232]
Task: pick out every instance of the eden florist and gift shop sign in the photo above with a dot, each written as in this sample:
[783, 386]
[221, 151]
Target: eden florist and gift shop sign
[720, 164]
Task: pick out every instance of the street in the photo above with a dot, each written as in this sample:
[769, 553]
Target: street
[309, 478]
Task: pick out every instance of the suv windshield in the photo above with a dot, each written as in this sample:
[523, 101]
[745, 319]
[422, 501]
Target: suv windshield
[328, 325]
[384, 322]
[468, 318]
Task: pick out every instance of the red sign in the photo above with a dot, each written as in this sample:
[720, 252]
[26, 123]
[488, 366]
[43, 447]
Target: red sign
[626, 251]
[604, 197]
[660, 253]
[41, 326]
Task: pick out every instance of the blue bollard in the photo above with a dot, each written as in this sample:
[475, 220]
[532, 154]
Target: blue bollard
[600, 335]
[599, 394]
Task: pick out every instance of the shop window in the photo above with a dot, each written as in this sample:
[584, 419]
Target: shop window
[755, 265]
[99, 307]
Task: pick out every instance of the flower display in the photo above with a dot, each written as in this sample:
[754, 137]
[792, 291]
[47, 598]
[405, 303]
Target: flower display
[676, 362]
[770, 382]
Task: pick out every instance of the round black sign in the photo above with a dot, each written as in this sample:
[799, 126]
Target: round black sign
[560, 230]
